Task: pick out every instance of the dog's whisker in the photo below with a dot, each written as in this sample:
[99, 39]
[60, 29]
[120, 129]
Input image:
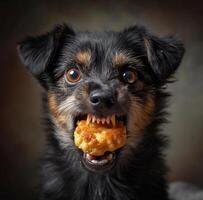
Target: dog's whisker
[67, 105]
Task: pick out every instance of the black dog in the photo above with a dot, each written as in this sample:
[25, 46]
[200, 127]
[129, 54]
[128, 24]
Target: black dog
[103, 74]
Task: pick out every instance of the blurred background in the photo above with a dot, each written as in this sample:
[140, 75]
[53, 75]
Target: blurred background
[21, 132]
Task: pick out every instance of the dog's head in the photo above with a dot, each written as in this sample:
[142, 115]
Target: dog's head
[101, 75]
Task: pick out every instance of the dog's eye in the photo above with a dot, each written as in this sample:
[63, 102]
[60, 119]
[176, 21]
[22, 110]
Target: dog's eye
[129, 76]
[72, 75]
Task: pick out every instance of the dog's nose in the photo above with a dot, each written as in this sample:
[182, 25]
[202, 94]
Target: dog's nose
[101, 99]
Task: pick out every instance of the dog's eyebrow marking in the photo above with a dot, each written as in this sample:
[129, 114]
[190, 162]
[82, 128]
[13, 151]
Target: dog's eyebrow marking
[83, 57]
[119, 59]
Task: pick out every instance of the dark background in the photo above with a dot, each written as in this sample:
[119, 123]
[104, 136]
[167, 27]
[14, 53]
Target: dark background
[22, 136]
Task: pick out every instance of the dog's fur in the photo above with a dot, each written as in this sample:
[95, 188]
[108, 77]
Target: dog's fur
[139, 172]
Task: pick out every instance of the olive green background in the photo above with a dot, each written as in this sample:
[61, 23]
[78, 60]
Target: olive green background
[21, 132]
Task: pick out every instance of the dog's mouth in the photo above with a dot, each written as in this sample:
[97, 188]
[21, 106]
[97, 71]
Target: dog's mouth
[99, 163]
[106, 161]
[111, 120]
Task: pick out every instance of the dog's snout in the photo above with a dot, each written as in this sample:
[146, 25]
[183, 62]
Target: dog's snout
[102, 99]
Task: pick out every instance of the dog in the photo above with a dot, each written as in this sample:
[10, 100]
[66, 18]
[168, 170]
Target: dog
[103, 74]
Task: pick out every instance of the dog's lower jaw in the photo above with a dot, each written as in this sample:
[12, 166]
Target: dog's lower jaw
[64, 177]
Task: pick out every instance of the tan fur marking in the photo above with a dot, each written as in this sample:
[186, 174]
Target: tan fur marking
[139, 117]
[143, 113]
[83, 58]
[119, 59]
[58, 116]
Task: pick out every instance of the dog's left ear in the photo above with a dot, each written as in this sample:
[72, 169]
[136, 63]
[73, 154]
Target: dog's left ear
[164, 54]
[37, 53]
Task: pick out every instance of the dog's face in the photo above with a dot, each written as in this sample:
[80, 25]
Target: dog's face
[99, 76]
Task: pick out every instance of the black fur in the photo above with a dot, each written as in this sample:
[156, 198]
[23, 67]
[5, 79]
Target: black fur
[140, 174]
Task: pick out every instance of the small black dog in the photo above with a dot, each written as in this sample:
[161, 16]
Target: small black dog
[103, 74]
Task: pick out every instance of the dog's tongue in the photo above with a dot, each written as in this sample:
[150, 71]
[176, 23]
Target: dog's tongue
[99, 160]
[107, 155]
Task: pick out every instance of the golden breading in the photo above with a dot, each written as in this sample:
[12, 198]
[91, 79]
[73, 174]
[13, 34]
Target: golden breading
[96, 139]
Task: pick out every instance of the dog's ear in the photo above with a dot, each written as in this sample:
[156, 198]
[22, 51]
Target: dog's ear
[164, 54]
[37, 53]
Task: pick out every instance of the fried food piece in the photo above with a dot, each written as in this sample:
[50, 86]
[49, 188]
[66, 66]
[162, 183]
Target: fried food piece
[96, 139]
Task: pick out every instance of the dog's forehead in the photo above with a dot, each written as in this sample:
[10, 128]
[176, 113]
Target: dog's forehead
[99, 47]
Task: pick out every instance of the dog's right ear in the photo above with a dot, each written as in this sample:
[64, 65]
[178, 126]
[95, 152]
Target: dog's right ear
[163, 54]
[37, 53]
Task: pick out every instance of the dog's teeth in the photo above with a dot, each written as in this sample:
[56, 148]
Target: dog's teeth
[105, 120]
[94, 161]
[88, 156]
[103, 162]
[108, 120]
[88, 119]
[110, 156]
[99, 162]
[113, 120]
[98, 120]
[93, 119]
